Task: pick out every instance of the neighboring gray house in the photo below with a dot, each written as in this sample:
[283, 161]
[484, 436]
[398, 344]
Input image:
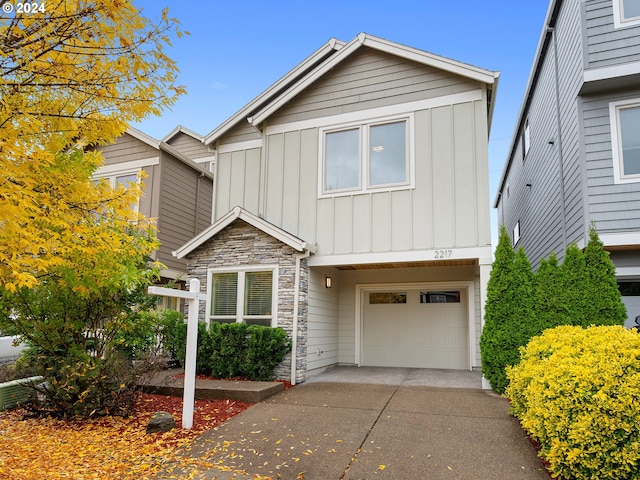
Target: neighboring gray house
[352, 209]
[178, 192]
[575, 155]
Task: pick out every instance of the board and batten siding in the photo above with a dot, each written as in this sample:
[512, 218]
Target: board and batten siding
[613, 207]
[605, 45]
[447, 208]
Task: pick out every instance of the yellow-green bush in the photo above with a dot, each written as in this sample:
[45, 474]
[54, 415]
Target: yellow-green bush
[576, 391]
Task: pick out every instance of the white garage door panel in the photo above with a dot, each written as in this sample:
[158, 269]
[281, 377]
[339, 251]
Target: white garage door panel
[419, 335]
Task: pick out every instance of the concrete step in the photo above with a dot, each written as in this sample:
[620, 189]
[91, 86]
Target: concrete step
[171, 382]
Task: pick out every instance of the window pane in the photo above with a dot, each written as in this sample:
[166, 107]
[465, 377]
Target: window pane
[630, 135]
[388, 154]
[258, 293]
[440, 297]
[631, 8]
[126, 179]
[224, 293]
[342, 160]
[377, 298]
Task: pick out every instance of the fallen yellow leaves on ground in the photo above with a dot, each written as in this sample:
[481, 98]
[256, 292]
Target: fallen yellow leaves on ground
[104, 448]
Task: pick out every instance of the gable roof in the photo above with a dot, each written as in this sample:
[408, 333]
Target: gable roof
[165, 147]
[330, 55]
[238, 213]
[185, 130]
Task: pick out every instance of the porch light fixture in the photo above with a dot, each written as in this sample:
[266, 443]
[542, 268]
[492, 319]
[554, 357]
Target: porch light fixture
[327, 282]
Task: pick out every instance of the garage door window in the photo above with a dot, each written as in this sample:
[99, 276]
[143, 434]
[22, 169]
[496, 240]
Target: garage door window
[380, 298]
[440, 297]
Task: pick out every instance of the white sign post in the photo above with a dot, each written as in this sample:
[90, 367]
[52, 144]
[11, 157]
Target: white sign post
[193, 296]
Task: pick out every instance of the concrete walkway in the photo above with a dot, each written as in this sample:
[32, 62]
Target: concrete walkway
[359, 423]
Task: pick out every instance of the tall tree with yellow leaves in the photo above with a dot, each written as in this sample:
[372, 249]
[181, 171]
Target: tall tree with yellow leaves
[74, 253]
[74, 73]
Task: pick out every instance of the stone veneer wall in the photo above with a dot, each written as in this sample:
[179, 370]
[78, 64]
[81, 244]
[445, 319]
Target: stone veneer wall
[241, 244]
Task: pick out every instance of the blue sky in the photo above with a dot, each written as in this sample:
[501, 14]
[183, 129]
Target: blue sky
[236, 49]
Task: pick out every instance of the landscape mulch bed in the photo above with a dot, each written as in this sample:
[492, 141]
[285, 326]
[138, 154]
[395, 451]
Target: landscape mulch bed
[107, 447]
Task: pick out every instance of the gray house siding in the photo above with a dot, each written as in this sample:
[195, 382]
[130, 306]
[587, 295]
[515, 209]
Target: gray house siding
[126, 149]
[189, 146]
[185, 208]
[606, 45]
[367, 80]
[613, 207]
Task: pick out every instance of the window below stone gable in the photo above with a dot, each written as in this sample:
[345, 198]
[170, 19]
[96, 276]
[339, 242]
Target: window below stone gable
[243, 295]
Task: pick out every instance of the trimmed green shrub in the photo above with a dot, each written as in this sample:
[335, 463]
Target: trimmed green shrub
[509, 316]
[577, 393]
[228, 346]
[266, 348]
[173, 334]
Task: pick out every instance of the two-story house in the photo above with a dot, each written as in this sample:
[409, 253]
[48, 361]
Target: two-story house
[352, 209]
[575, 155]
[178, 189]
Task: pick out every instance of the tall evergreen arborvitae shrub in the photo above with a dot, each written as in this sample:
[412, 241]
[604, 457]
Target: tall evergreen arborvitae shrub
[603, 301]
[509, 315]
[548, 298]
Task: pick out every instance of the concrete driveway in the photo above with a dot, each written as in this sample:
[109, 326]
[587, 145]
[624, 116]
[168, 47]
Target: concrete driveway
[365, 423]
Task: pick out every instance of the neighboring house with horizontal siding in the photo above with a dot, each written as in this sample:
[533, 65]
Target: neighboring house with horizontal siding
[352, 209]
[178, 191]
[575, 155]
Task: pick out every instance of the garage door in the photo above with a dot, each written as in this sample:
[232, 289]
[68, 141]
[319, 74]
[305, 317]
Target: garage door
[419, 328]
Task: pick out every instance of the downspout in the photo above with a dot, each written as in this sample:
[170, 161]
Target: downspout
[296, 299]
[552, 31]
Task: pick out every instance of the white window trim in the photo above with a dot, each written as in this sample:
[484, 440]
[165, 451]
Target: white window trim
[111, 176]
[363, 166]
[526, 139]
[516, 233]
[618, 17]
[240, 293]
[616, 141]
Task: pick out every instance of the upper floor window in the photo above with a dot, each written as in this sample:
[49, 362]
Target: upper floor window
[625, 140]
[626, 13]
[365, 157]
[526, 139]
[516, 233]
[244, 295]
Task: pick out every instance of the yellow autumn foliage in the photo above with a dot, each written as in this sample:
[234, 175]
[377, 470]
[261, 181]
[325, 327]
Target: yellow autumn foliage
[576, 391]
[74, 76]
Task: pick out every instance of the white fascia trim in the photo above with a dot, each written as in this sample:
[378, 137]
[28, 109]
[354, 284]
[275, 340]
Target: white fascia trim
[620, 239]
[143, 137]
[413, 54]
[210, 158]
[436, 254]
[427, 58]
[615, 71]
[237, 146]
[126, 166]
[242, 114]
[373, 114]
[257, 222]
[267, 111]
[469, 286]
[186, 131]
